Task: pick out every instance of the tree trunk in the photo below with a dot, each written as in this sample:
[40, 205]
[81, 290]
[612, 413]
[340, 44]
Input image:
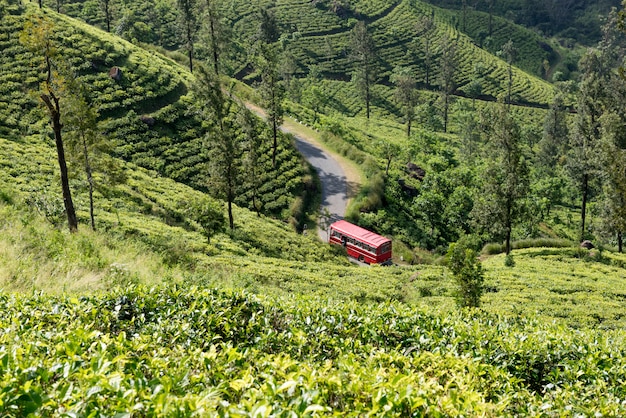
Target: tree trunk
[509, 225]
[510, 83]
[231, 221]
[52, 102]
[445, 112]
[367, 95]
[583, 209]
[190, 59]
[213, 38]
[275, 145]
[107, 15]
[619, 242]
[408, 128]
[90, 181]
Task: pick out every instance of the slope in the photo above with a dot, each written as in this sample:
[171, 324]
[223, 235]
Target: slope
[147, 112]
[318, 34]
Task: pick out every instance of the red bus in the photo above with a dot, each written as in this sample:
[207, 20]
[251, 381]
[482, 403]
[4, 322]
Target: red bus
[360, 243]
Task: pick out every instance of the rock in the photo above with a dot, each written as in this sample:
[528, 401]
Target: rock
[587, 244]
[148, 120]
[407, 188]
[115, 73]
[415, 171]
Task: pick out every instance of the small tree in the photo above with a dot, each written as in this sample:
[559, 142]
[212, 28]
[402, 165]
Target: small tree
[389, 150]
[267, 54]
[216, 34]
[468, 274]
[252, 143]
[223, 142]
[405, 94]
[210, 215]
[447, 73]
[509, 52]
[426, 31]
[105, 6]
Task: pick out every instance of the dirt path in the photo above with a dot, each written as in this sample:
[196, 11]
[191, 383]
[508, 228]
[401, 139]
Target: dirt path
[339, 177]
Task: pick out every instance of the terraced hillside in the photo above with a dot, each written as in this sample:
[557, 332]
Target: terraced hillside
[146, 113]
[393, 27]
[318, 33]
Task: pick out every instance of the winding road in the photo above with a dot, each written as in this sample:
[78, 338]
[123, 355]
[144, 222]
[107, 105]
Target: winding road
[332, 178]
[336, 177]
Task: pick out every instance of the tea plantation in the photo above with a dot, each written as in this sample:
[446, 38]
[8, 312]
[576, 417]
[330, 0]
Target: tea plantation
[149, 316]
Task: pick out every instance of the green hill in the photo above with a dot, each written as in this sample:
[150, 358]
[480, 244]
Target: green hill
[146, 114]
[147, 317]
[318, 34]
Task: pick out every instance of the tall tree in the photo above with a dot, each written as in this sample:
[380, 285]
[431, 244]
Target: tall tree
[405, 94]
[37, 36]
[582, 158]
[216, 33]
[426, 31]
[222, 142]
[252, 142]
[447, 73]
[613, 153]
[364, 57]
[86, 145]
[613, 131]
[553, 144]
[105, 6]
[82, 119]
[506, 178]
[267, 55]
[188, 15]
[509, 52]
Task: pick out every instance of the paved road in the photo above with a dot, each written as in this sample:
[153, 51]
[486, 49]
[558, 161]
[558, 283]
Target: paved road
[332, 178]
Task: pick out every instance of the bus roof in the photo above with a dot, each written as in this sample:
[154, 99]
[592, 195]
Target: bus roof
[362, 234]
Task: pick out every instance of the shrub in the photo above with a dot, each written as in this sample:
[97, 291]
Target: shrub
[468, 274]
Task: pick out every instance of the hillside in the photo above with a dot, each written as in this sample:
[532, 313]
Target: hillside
[147, 316]
[146, 114]
[318, 34]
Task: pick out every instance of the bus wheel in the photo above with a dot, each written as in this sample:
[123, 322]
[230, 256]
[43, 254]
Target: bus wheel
[361, 258]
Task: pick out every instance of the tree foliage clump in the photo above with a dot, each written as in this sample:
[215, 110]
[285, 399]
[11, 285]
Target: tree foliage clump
[501, 202]
[468, 273]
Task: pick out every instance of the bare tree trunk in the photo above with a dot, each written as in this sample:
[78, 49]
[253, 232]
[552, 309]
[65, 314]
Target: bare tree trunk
[275, 145]
[583, 209]
[367, 96]
[52, 102]
[90, 181]
[619, 242]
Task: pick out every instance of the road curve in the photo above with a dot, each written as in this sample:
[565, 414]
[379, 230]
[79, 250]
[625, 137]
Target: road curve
[332, 178]
[335, 193]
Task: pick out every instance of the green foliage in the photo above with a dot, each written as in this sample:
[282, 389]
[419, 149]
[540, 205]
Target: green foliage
[210, 215]
[467, 272]
[293, 356]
